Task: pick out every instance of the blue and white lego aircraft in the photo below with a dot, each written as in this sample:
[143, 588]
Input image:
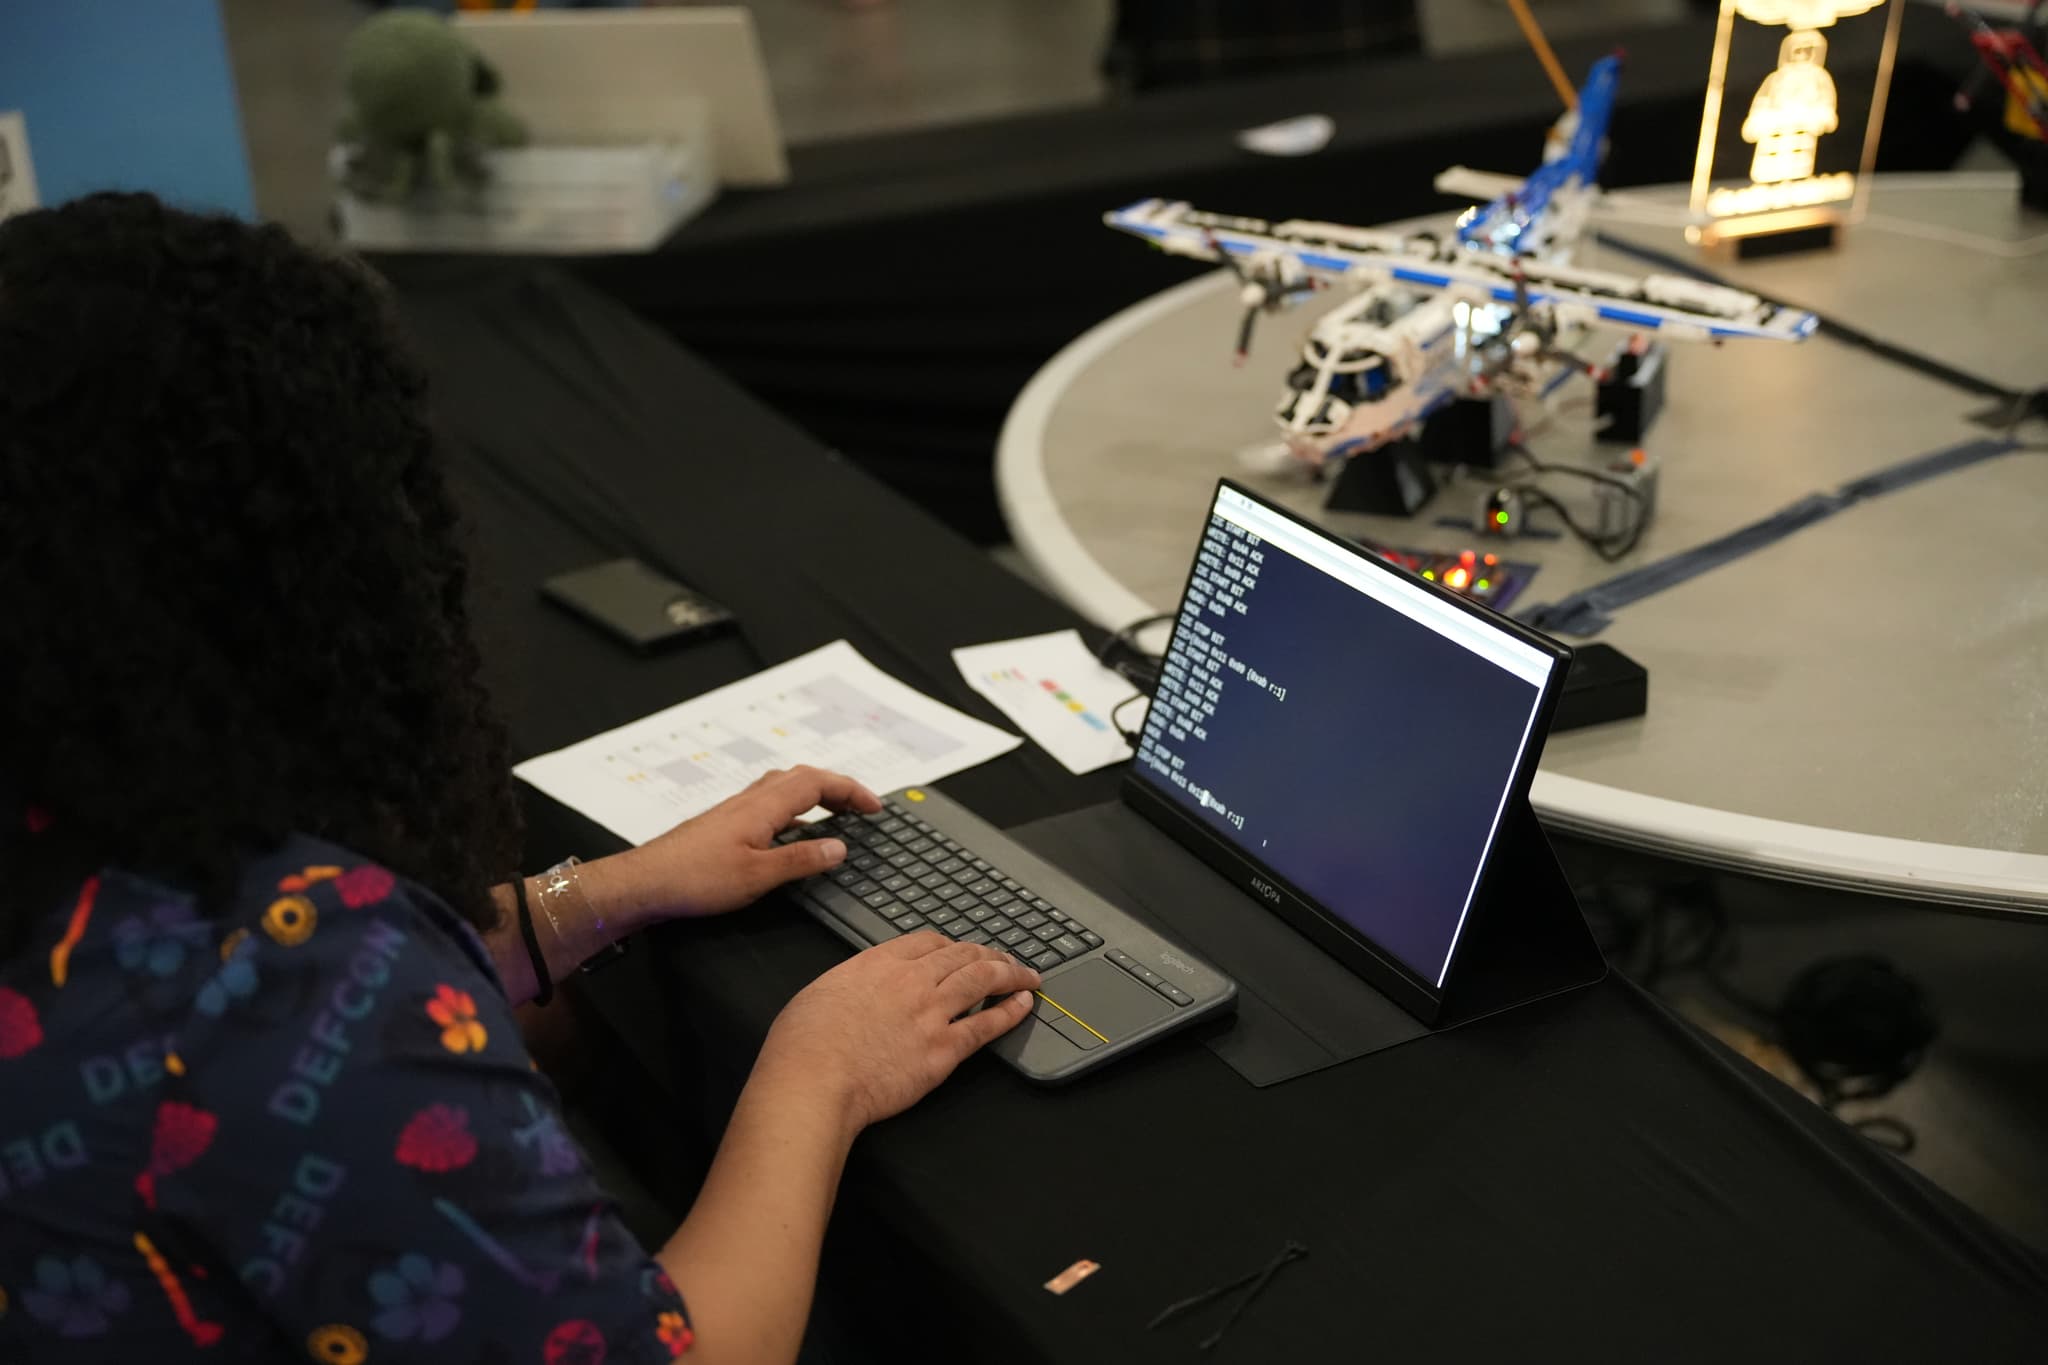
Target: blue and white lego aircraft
[1498, 305]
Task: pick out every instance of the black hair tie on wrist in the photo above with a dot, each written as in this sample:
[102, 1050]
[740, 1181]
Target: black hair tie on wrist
[533, 952]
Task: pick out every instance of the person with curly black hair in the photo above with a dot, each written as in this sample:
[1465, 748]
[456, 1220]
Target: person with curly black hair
[261, 925]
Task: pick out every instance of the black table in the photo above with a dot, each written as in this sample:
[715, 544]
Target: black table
[897, 295]
[1587, 1178]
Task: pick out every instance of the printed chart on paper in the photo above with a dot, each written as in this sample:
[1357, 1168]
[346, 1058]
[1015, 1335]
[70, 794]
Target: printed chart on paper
[830, 708]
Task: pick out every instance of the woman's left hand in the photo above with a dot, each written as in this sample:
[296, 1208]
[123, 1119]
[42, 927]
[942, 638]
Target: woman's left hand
[727, 857]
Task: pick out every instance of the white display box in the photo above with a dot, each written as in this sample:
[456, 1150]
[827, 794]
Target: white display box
[557, 196]
[546, 200]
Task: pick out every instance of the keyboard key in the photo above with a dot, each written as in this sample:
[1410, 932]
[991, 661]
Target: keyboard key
[845, 876]
[1013, 936]
[863, 888]
[995, 924]
[1033, 920]
[901, 860]
[932, 881]
[1041, 903]
[1047, 932]
[961, 928]
[1069, 946]
[999, 898]
[924, 905]
[1152, 979]
[967, 876]
[952, 865]
[978, 936]
[893, 826]
[880, 817]
[982, 887]
[907, 922]
[1010, 885]
[875, 900]
[918, 845]
[1059, 915]
[978, 913]
[866, 862]
[886, 848]
[917, 869]
[1092, 940]
[943, 916]
[1046, 960]
[948, 844]
[1177, 996]
[980, 864]
[951, 891]
[966, 900]
[897, 882]
[1123, 960]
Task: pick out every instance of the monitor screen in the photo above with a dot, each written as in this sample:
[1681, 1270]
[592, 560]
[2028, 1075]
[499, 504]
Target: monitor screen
[1344, 727]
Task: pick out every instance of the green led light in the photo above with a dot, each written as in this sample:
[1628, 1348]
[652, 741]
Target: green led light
[1429, 574]
[1501, 518]
[1484, 585]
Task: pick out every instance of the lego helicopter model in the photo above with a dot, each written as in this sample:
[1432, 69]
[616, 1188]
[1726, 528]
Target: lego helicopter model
[1497, 308]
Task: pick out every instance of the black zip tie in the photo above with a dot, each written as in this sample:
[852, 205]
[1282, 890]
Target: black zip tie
[1257, 1279]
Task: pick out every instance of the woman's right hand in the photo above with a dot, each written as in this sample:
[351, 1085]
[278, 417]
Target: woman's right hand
[878, 1032]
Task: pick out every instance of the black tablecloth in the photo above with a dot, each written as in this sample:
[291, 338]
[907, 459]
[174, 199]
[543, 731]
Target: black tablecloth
[899, 293]
[1583, 1179]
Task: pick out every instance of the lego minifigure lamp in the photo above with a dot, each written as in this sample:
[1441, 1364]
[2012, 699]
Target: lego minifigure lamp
[1775, 156]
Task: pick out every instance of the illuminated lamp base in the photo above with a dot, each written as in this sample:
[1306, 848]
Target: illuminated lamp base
[1822, 237]
[1771, 234]
[1393, 481]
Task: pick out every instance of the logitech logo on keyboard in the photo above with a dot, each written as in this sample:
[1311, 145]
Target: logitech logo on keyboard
[1266, 889]
[1169, 960]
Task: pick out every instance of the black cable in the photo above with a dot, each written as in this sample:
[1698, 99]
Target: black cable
[1609, 550]
[1528, 457]
[1131, 737]
[1137, 666]
[1254, 1283]
[1832, 327]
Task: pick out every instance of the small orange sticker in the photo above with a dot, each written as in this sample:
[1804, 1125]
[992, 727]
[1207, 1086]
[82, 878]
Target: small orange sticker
[1071, 1276]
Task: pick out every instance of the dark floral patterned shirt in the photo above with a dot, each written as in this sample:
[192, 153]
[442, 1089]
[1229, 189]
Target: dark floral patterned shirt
[305, 1127]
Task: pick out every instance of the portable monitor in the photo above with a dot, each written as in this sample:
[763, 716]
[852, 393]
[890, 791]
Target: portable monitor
[1344, 739]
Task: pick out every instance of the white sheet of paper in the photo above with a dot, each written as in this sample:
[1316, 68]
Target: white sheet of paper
[830, 708]
[1052, 688]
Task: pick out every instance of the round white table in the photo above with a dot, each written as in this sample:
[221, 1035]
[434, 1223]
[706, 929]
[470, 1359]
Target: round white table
[1863, 704]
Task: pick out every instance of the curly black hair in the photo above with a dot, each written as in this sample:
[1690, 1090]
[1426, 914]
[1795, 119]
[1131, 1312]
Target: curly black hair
[231, 567]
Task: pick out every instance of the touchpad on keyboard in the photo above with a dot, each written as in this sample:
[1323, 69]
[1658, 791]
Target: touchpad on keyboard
[1098, 1002]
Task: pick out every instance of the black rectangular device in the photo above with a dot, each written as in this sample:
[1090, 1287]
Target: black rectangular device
[1344, 740]
[633, 603]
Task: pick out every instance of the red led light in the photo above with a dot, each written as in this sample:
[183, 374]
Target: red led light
[1467, 558]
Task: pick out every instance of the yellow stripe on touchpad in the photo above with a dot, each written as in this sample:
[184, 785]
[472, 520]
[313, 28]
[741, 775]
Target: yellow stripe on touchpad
[1069, 1013]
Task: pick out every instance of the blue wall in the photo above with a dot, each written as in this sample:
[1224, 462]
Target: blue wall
[126, 94]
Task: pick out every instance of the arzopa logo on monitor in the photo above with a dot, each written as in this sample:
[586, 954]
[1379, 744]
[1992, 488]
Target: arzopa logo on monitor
[1266, 889]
